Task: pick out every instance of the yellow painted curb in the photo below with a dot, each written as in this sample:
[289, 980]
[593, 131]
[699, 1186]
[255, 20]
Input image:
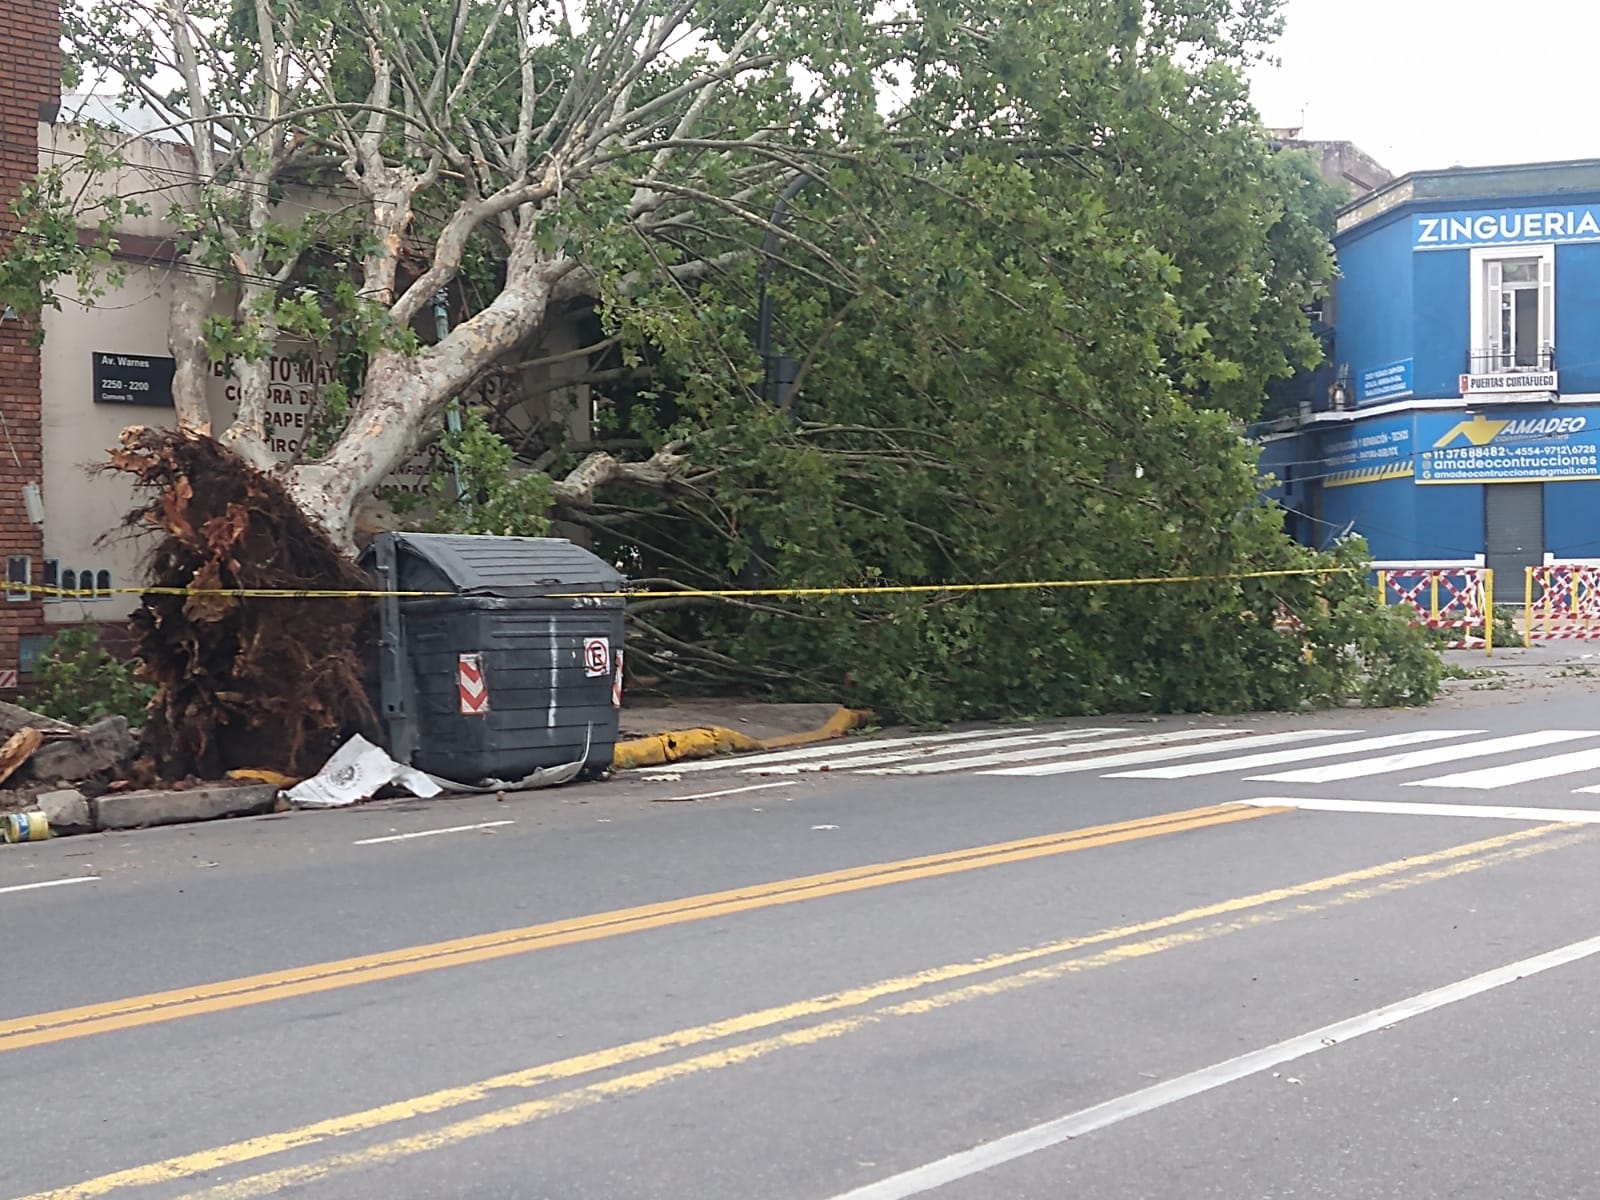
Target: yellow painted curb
[712, 740]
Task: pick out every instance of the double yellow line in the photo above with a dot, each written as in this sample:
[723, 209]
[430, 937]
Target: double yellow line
[803, 1023]
[62, 1025]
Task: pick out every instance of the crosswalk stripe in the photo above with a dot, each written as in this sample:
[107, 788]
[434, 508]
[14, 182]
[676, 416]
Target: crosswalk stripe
[1169, 752]
[1511, 774]
[941, 766]
[1401, 808]
[823, 751]
[1386, 763]
[1273, 757]
[909, 752]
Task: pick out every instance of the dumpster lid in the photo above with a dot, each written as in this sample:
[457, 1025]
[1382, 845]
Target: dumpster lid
[498, 566]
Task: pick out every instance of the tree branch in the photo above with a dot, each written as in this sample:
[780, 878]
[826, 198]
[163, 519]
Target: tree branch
[661, 470]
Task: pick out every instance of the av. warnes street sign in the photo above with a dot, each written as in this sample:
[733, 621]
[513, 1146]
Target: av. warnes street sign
[1505, 227]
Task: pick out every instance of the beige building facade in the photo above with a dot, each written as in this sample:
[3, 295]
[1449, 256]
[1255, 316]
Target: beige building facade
[106, 366]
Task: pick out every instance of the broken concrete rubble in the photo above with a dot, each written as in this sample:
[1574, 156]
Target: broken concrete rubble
[66, 809]
[14, 717]
[79, 778]
[103, 746]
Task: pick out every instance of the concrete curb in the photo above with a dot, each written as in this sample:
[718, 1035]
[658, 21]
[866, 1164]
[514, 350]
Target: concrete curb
[709, 741]
[70, 813]
[141, 810]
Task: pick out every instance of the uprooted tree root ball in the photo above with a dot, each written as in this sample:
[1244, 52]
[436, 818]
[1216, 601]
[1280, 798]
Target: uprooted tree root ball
[241, 681]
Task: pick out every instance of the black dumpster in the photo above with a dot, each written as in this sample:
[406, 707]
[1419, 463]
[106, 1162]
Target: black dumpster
[519, 668]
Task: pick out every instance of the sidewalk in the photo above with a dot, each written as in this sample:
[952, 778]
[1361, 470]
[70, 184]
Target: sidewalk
[1541, 656]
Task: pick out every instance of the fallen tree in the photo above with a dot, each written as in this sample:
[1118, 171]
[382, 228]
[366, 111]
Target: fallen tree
[356, 165]
[1014, 296]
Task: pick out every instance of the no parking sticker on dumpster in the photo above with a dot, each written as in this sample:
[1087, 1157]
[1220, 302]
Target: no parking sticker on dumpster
[596, 657]
[472, 686]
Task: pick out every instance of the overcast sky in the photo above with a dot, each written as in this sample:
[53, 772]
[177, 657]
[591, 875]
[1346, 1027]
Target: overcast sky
[1422, 84]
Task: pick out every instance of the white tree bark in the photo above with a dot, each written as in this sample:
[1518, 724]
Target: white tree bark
[420, 139]
[578, 488]
[194, 294]
[246, 436]
[403, 392]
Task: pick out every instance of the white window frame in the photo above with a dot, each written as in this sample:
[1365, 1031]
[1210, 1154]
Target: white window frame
[1482, 319]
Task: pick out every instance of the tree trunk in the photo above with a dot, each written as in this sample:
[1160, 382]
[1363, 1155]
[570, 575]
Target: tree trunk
[403, 393]
[193, 295]
[246, 435]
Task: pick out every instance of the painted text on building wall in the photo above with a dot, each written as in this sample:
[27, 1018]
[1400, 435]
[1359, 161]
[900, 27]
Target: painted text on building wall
[1388, 382]
[294, 394]
[1504, 227]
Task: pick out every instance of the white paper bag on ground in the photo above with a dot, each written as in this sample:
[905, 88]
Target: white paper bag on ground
[357, 771]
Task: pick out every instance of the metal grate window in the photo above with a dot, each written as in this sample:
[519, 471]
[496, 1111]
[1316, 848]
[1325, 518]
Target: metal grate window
[19, 575]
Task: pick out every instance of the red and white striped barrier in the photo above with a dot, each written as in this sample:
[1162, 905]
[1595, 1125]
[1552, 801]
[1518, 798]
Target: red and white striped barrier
[1562, 603]
[1458, 598]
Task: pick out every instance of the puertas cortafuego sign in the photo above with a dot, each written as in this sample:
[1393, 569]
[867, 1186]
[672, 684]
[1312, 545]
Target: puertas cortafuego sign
[294, 401]
[1512, 381]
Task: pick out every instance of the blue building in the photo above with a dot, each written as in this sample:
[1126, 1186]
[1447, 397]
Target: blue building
[1458, 418]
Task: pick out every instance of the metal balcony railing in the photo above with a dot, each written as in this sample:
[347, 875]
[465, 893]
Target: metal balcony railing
[1488, 362]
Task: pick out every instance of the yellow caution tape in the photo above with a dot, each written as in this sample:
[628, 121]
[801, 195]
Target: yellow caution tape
[789, 593]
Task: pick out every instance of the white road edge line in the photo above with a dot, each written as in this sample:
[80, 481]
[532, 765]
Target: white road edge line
[984, 1157]
[422, 833]
[1402, 808]
[44, 883]
[754, 787]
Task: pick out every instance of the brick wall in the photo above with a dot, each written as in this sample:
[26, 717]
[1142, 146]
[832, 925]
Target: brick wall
[30, 76]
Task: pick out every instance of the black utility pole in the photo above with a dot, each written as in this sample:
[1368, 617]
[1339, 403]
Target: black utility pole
[778, 373]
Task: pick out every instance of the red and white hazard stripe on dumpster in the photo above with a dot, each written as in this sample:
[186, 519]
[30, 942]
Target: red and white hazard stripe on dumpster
[472, 687]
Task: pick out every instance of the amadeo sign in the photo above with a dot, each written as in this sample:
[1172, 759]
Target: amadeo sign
[1505, 227]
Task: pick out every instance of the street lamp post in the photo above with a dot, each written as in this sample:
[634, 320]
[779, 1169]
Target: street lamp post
[777, 373]
[452, 416]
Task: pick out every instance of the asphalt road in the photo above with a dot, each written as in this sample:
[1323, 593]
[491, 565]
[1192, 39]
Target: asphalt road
[1175, 976]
